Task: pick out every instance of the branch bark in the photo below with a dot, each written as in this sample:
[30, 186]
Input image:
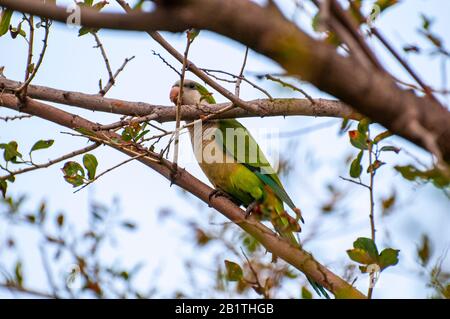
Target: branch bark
[266, 31]
[95, 102]
[298, 258]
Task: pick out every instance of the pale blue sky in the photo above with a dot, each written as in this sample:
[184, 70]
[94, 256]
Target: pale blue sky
[72, 63]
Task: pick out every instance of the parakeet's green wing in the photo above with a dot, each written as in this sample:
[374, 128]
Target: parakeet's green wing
[251, 156]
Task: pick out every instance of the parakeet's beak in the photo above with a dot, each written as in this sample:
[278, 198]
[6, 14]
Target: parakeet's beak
[174, 92]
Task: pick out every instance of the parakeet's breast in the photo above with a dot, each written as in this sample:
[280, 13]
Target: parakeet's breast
[220, 168]
[215, 163]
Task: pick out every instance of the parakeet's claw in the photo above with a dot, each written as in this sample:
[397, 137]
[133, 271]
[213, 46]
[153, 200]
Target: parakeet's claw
[218, 192]
[250, 208]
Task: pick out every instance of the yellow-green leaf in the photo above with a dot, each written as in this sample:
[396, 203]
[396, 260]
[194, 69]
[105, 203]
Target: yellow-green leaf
[234, 271]
[5, 21]
[90, 163]
[388, 257]
[3, 187]
[382, 136]
[355, 167]
[306, 294]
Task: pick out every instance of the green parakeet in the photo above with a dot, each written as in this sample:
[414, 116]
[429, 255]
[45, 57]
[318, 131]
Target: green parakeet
[233, 162]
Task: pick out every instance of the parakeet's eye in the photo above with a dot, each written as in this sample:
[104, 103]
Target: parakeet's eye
[192, 85]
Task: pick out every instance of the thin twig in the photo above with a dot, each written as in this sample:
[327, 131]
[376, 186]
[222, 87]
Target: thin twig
[293, 87]
[49, 163]
[14, 287]
[16, 117]
[48, 271]
[194, 69]
[29, 77]
[241, 73]
[189, 41]
[126, 122]
[110, 169]
[105, 58]
[394, 53]
[166, 63]
[255, 274]
[211, 71]
[354, 182]
[112, 81]
[372, 205]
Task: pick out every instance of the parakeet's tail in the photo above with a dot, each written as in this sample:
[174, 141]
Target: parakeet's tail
[289, 235]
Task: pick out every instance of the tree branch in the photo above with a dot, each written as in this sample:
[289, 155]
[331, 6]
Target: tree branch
[95, 102]
[266, 31]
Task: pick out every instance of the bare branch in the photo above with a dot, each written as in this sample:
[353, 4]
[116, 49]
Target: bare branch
[105, 58]
[241, 74]
[29, 77]
[16, 117]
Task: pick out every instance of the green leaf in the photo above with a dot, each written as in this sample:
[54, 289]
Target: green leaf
[3, 187]
[90, 162]
[385, 4]
[86, 30]
[382, 136]
[17, 31]
[390, 149]
[388, 257]
[355, 167]
[5, 21]
[18, 273]
[367, 245]
[73, 173]
[434, 175]
[345, 125]
[141, 135]
[358, 139]
[99, 5]
[76, 180]
[11, 153]
[363, 126]
[306, 294]
[360, 256]
[73, 168]
[41, 144]
[426, 22]
[234, 271]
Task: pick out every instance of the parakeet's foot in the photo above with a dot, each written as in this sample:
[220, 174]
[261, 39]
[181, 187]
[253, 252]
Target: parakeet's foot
[250, 208]
[218, 192]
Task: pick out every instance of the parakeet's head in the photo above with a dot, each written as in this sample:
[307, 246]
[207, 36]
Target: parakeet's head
[193, 93]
